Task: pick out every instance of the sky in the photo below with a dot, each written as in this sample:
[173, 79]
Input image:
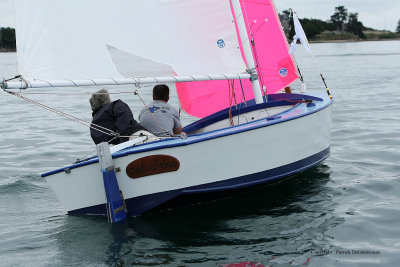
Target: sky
[377, 14]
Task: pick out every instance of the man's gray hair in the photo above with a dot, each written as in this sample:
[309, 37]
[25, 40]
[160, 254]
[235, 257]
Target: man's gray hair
[99, 99]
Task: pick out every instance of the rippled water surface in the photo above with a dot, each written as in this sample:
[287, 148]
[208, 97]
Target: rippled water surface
[335, 214]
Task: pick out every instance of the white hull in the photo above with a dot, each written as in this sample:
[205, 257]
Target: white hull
[206, 159]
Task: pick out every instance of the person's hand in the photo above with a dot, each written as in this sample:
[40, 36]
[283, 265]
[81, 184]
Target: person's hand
[182, 135]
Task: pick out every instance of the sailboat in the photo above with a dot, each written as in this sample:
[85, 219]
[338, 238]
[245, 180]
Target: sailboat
[229, 62]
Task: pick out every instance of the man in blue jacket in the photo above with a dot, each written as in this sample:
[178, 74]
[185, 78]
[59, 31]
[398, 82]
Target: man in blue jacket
[115, 116]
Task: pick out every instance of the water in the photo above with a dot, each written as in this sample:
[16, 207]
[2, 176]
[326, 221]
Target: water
[349, 202]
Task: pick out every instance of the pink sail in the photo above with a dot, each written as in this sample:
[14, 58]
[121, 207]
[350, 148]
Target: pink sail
[275, 66]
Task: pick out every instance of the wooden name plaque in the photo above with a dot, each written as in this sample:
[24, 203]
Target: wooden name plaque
[151, 165]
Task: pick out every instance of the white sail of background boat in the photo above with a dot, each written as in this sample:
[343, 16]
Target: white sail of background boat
[201, 46]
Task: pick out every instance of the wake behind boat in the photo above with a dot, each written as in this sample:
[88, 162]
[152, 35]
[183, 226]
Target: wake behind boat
[248, 133]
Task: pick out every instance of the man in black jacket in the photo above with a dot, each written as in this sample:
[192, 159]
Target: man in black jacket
[115, 116]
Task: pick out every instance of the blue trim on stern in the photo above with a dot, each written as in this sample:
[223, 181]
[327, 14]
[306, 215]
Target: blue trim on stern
[142, 204]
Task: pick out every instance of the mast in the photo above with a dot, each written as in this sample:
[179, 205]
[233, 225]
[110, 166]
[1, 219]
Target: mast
[247, 51]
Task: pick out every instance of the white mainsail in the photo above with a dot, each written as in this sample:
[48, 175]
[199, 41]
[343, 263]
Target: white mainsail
[68, 40]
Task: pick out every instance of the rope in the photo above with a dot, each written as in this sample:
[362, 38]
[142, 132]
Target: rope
[259, 73]
[63, 93]
[326, 87]
[155, 119]
[68, 116]
[230, 105]
[257, 62]
[243, 95]
[16, 77]
[322, 77]
[78, 120]
[85, 157]
[318, 69]
[296, 101]
[233, 92]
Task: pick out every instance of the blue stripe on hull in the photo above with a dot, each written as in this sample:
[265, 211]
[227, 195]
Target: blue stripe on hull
[224, 114]
[139, 205]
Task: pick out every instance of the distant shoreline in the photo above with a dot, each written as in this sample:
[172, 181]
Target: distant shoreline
[370, 35]
[322, 39]
[352, 41]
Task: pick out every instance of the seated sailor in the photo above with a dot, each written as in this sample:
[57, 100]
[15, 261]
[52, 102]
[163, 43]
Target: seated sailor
[159, 117]
[115, 116]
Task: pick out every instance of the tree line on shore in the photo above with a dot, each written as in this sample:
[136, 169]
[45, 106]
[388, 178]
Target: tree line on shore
[7, 39]
[342, 25]
[341, 22]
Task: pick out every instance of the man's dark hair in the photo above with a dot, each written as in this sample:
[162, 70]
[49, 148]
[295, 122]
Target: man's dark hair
[161, 92]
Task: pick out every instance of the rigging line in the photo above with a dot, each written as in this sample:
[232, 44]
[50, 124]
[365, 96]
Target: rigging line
[116, 83]
[259, 28]
[154, 117]
[51, 85]
[257, 61]
[294, 58]
[232, 97]
[73, 83]
[175, 78]
[242, 100]
[25, 81]
[7, 80]
[318, 69]
[180, 108]
[64, 93]
[233, 92]
[158, 137]
[85, 157]
[298, 69]
[65, 115]
[247, 18]
[296, 101]
[243, 94]
[259, 74]
[322, 77]
[180, 103]
[136, 82]
[236, 104]
[230, 106]
[258, 68]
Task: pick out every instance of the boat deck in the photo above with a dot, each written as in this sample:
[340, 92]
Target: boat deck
[296, 106]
